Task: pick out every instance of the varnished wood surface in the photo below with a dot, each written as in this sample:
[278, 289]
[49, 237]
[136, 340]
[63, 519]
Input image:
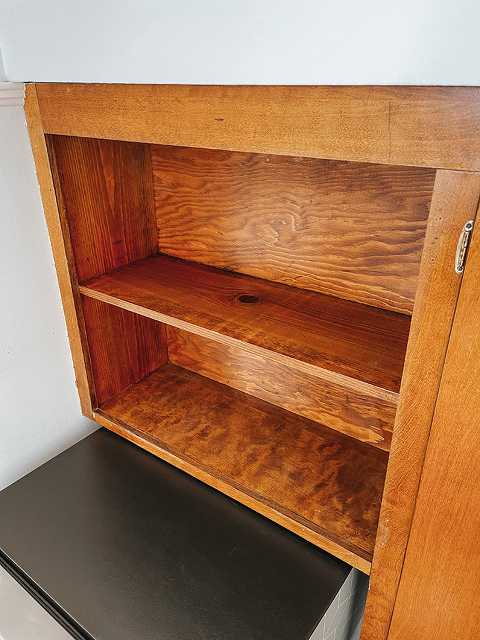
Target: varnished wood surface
[108, 196]
[442, 564]
[348, 338]
[419, 126]
[63, 264]
[123, 347]
[455, 201]
[320, 475]
[363, 417]
[351, 230]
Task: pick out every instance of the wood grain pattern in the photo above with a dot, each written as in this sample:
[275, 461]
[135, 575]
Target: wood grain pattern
[350, 339]
[326, 478]
[72, 270]
[124, 347]
[362, 417]
[64, 266]
[442, 563]
[420, 126]
[108, 196]
[455, 200]
[351, 230]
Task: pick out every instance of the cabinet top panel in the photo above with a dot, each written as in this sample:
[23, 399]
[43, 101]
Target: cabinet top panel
[417, 126]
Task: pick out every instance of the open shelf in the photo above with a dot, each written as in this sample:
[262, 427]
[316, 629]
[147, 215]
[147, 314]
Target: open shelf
[350, 342]
[310, 478]
[245, 317]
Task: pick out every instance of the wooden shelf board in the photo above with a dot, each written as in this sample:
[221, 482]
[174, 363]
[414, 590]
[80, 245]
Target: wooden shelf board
[324, 482]
[352, 343]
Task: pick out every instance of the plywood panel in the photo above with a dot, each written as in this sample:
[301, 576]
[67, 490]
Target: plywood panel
[419, 126]
[108, 197]
[346, 229]
[341, 408]
[123, 347]
[317, 474]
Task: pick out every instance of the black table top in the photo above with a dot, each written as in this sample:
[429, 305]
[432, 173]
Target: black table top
[119, 545]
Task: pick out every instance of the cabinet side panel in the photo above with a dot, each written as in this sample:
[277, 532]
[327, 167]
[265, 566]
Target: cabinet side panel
[63, 263]
[124, 347]
[341, 408]
[349, 230]
[108, 197]
[455, 200]
[442, 563]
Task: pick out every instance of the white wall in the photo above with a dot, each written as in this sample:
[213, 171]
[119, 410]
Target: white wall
[242, 41]
[2, 69]
[39, 409]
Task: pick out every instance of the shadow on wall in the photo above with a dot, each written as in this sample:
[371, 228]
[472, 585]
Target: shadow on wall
[3, 77]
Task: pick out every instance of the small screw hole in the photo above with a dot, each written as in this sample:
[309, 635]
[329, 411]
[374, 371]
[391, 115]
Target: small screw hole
[246, 298]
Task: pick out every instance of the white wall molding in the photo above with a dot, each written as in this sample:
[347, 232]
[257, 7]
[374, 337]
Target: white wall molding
[12, 94]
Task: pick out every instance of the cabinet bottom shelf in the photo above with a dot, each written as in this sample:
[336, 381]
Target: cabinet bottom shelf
[319, 483]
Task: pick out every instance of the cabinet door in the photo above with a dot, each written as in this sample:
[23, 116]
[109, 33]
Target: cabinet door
[438, 593]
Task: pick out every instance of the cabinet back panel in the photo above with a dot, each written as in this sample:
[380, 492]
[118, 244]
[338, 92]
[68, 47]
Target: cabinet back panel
[108, 196]
[350, 230]
[124, 347]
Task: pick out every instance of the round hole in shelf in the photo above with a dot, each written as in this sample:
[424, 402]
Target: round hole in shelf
[247, 298]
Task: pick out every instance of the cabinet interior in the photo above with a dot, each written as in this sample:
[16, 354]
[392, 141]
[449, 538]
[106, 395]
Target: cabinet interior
[247, 315]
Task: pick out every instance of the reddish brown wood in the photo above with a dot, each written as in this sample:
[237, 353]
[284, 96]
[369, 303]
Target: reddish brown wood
[351, 339]
[124, 347]
[73, 280]
[455, 200]
[442, 564]
[425, 126]
[342, 228]
[108, 197]
[319, 475]
[341, 408]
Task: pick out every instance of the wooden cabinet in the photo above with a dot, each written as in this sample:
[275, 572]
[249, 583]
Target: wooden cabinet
[259, 288]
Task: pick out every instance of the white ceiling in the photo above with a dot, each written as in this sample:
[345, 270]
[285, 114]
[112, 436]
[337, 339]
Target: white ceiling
[242, 41]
